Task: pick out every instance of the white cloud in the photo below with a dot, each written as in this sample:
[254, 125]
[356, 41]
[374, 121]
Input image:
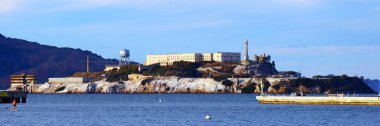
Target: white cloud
[8, 5]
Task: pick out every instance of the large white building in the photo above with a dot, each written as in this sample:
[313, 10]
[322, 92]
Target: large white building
[168, 59]
[70, 80]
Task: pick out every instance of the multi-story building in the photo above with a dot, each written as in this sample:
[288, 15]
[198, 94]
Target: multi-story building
[169, 59]
[23, 79]
[70, 80]
[207, 56]
[226, 57]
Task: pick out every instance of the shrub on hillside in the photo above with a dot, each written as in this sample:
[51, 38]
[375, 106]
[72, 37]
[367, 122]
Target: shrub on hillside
[227, 82]
[122, 73]
[179, 69]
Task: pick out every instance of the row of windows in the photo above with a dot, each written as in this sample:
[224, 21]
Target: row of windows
[231, 60]
[189, 58]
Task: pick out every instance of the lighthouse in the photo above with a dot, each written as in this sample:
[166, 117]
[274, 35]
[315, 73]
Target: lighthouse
[246, 57]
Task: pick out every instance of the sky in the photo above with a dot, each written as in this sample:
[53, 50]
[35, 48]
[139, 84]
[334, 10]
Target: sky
[314, 37]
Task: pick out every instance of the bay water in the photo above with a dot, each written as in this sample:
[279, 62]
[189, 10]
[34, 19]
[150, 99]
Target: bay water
[177, 110]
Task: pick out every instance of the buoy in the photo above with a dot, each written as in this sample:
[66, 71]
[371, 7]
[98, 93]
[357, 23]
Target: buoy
[207, 117]
[160, 101]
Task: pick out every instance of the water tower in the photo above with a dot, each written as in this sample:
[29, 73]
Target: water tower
[124, 57]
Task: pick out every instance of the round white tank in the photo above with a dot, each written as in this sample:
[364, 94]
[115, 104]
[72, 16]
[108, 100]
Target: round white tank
[124, 53]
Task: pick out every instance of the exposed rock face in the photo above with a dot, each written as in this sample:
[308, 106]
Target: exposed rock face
[155, 85]
[207, 85]
[256, 69]
[150, 85]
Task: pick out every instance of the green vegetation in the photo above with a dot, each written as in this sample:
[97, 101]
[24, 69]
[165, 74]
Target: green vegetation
[146, 81]
[333, 84]
[227, 83]
[122, 74]
[266, 85]
[277, 86]
[249, 89]
[222, 77]
[178, 69]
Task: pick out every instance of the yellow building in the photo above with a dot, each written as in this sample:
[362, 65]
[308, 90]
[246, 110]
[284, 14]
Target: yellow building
[169, 59]
[23, 79]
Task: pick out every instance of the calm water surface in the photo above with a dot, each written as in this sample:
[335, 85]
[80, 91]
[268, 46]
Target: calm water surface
[175, 110]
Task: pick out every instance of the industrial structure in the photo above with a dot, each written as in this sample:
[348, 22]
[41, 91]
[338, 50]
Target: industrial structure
[124, 57]
[169, 59]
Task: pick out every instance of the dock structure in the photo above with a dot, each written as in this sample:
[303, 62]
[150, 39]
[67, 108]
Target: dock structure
[9, 96]
[319, 100]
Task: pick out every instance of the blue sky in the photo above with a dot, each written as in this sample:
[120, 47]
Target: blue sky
[310, 36]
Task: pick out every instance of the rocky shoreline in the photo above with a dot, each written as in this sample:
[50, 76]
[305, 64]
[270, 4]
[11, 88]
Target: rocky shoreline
[173, 85]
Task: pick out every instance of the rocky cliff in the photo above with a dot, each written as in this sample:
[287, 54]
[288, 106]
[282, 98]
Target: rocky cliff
[256, 69]
[207, 85]
[148, 85]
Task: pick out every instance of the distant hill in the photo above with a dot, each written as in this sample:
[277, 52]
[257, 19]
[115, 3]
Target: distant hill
[21, 56]
[374, 84]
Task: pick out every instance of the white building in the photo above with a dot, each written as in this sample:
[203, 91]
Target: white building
[226, 57]
[168, 59]
[70, 80]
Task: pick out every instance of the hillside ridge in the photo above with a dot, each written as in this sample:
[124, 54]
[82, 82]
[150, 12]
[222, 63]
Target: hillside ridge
[22, 56]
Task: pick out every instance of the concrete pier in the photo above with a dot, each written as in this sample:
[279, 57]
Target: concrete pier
[318, 100]
[9, 96]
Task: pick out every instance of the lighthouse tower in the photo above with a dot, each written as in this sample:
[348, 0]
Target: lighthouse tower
[246, 57]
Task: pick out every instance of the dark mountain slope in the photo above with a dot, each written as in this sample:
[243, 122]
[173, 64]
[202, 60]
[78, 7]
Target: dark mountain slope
[21, 56]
